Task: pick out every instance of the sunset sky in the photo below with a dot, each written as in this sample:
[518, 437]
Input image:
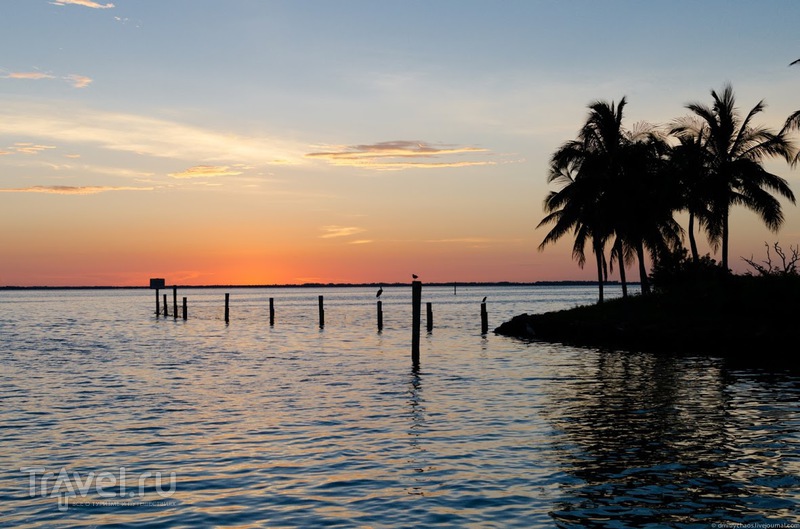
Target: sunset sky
[261, 142]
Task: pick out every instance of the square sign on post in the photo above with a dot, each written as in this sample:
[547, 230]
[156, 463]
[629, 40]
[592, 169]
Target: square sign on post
[157, 282]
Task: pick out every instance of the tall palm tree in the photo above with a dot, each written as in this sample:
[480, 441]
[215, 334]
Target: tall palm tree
[645, 198]
[736, 149]
[607, 190]
[575, 207]
[690, 167]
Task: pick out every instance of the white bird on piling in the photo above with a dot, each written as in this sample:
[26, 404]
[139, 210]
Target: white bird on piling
[380, 291]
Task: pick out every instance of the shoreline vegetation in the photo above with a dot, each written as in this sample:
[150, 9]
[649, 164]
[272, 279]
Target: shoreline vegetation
[618, 191]
[748, 319]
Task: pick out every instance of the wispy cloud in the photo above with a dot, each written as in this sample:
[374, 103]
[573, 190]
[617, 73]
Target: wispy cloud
[340, 231]
[29, 148]
[361, 241]
[468, 240]
[28, 75]
[78, 81]
[144, 135]
[72, 190]
[206, 171]
[397, 155]
[84, 3]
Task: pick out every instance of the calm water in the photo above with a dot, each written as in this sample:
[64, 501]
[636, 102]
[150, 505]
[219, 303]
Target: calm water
[293, 426]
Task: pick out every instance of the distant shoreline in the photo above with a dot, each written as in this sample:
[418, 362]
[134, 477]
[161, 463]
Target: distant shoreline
[328, 285]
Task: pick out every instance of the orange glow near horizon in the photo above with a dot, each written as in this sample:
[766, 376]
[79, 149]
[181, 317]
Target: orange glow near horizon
[220, 163]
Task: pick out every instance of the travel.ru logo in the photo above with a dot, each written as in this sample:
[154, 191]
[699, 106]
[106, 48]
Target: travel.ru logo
[119, 486]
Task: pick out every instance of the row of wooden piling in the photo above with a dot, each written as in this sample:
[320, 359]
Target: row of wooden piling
[416, 303]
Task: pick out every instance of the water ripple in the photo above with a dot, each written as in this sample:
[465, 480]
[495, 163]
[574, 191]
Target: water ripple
[295, 427]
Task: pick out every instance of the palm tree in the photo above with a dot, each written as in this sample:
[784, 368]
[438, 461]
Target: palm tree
[690, 167]
[736, 149]
[575, 207]
[606, 177]
[645, 198]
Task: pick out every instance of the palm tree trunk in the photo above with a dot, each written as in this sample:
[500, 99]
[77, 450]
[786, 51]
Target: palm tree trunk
[642, 269]
[692, 241]
[599, 254]
[725, 241]
[621, 261]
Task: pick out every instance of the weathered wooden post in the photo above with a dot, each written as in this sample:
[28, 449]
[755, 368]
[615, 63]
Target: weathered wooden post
[484, 319]
[166, 307]
[321, 312]
[380, 315]
[175, 302]
[271, 312]
[429, 306]
[157, 283]
[416, 302]
[185, 311]
[227, 312]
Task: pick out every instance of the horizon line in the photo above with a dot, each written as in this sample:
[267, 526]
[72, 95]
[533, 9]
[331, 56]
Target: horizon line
[564, 282]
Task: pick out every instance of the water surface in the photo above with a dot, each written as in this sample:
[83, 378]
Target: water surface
[297, 426]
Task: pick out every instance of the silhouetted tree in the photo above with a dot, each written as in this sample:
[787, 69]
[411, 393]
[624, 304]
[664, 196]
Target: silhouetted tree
[576, 206]
[644, 198]
[612, 186]
[736, 149]
[690, 168]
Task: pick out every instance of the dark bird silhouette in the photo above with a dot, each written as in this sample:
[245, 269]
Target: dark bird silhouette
[484, 299]
[415, 276]
[380, 291]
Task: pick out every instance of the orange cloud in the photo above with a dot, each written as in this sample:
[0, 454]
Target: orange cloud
[78, 81]
[30, 148]
[340, 231]
[72, 190]
[395, 155]
[28, 75]
[206, 171]
[84, 3]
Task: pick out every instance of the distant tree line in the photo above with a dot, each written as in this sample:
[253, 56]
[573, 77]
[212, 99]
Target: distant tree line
[618, 188]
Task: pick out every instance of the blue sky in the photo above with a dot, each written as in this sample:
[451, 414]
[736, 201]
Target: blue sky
[372, 136]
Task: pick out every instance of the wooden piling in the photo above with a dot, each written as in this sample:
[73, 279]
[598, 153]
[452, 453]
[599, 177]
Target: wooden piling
[185, 311]
[429, 307]
[166, 307]
[271, 312]
[175, 302]
[158, 308]
[321, 312]
[380, 315]
[484, 319]
[416, 302]
[227, 311]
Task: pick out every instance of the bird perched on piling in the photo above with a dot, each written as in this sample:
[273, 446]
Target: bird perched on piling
[380, 291]
[484, 299]
[415, 276]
